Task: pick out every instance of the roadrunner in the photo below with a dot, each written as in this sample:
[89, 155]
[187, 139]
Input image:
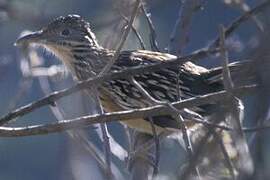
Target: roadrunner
[71, 40]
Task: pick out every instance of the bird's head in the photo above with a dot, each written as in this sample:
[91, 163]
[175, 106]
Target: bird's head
[69, 38]
[71, 30]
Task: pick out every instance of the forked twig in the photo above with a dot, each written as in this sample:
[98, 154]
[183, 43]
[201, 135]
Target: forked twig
[137, 34]
[134, 13]
[153, 34]
[180, 35]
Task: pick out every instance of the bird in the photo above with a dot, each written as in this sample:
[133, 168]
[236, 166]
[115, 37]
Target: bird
[71, 40]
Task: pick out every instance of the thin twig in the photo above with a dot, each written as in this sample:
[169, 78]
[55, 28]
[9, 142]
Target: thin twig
[153, 35]
[244, 7]
[105, 70]
[106, 149]
[256, 129]
[157, 148]
[186, 137]
[134, 13]
[92, 92]
[200, 148]
[175, 113]
[141, 162]
[149, 144]
[227, 80]
[152, 101]
[225, 154]
[235, 112]
[137, 34]
[228, 85]
[180, 35]
[196, 155]
[236, 23]
[24, 86]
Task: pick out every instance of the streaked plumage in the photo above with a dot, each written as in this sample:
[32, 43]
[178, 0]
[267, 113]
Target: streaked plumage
[72, 41]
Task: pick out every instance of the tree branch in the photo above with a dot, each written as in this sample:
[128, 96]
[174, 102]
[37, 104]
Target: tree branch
[153, 34]
[123, 115]
[180, 34]
[234, 117]
[236, 23]
[134, 13]
[137, 34]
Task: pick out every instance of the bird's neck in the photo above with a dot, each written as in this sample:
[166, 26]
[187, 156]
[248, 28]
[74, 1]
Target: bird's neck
[89, 60]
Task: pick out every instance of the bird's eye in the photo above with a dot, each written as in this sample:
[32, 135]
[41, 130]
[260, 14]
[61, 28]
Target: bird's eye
[65, 32]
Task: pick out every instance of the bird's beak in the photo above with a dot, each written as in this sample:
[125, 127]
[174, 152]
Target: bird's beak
[34, 37]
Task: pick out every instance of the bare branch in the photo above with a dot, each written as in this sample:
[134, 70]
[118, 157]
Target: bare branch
[137, 34]
[153, 34]
[225, 154]
[123, 39]
[106, 148]
[235, 111]
[236, 23]
[228, 85]
[140, 162]
[155, 135]
[157, 148]
[105, 70]
[121, 116]
[180, 34]
[227, 80]
[175, 113]
[24, 86]
[256, 129]
[244, 7]
[195, 158]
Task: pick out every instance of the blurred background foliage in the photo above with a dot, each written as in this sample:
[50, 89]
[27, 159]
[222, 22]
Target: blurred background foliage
[47, 157]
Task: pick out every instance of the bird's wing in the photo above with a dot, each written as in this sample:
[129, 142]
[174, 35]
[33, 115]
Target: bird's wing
[163, 85]
[167, 84]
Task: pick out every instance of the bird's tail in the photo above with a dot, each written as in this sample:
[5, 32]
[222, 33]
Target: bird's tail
[242, 73]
